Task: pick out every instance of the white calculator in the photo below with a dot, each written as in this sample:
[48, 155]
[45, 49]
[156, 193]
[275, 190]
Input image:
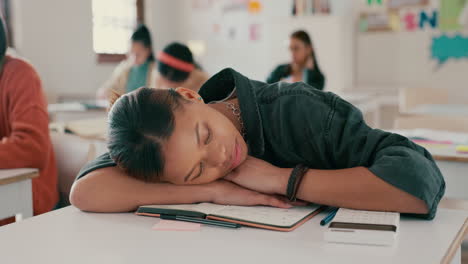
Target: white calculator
[363, 227]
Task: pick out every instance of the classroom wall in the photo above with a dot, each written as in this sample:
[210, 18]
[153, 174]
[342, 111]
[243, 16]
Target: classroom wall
[164, 21]
[59, 44]
[55, 36]
[332, 36]
[389, 60]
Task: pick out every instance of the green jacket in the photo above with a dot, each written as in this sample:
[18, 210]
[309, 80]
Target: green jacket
[290, 124]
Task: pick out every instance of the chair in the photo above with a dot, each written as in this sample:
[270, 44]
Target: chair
[71, 154]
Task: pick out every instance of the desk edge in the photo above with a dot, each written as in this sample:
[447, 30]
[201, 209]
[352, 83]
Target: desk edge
[18, 178]
[456, 243]
[450, 158]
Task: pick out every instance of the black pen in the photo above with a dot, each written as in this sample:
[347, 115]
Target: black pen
[199, 221]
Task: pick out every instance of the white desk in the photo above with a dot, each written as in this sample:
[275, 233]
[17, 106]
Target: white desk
[66, 112]
[71, 236]
[379, 109]
[16, 193]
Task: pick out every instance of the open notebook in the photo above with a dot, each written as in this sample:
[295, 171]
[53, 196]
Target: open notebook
[254, 216]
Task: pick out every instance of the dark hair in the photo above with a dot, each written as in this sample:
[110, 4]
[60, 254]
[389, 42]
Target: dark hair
[181, 52]
[143, 36]
[3, 38]
[305, 38]
[139, 122]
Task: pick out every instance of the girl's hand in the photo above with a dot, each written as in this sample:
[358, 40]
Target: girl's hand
[260, 176]
[228, 193]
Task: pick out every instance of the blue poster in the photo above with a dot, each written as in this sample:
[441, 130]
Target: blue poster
[445, 48]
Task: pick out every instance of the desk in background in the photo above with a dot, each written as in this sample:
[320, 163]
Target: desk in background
[379, 109]
[453, 117]
[16, 193]
[66, 112]
[440, 110]
[71, 236]
[453, 165]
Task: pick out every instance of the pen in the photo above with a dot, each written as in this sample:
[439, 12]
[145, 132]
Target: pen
[199, 221]
[329, 217]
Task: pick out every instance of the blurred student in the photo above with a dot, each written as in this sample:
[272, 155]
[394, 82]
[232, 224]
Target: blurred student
[177, 68]
[24, 128]
[138, 70]
[303, 66]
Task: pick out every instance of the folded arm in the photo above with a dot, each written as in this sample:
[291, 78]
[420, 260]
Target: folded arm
[110, 189]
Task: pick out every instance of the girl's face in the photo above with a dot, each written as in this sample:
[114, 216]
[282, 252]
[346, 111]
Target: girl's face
[139, 53]
[300, 52]
[204, 146]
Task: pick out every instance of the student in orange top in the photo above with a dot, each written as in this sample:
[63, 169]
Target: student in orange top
[24, 132]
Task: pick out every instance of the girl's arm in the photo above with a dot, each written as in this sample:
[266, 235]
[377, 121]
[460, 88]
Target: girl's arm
[356, 188]
[111, 190]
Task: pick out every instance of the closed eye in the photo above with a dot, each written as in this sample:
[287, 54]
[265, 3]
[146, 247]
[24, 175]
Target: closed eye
[200, 173]
[208, 138]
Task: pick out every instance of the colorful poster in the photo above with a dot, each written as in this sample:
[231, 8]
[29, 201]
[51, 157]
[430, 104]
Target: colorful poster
[450, 11]
[371, 22]
[377, 2]
[445, 48]
[396, 4]
[254, 7]
[463, 18]
[254, 32]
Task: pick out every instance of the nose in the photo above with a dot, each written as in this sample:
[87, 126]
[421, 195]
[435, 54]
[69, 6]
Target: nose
[217, 156]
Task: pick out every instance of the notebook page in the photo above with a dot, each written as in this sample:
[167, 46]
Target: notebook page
[205, 208]
[267, 215]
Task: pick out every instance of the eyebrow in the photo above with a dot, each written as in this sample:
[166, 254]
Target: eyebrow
[198, 142]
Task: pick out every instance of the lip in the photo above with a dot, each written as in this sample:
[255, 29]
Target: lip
[235, 155]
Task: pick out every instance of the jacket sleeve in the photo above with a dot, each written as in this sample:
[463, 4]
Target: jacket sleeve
[28, 143]
[391, 157]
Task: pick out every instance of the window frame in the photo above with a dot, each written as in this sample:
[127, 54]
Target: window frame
[115, 57]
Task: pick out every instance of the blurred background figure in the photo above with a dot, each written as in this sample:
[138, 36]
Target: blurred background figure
[177, 67]
[303, 66]
[137, 70]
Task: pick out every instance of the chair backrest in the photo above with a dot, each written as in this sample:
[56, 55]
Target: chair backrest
[411, 97]
[71, 154]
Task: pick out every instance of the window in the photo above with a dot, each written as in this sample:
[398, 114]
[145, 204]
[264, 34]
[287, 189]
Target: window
[113, 25]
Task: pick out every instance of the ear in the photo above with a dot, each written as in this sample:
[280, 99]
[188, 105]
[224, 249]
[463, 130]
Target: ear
[189, 94]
